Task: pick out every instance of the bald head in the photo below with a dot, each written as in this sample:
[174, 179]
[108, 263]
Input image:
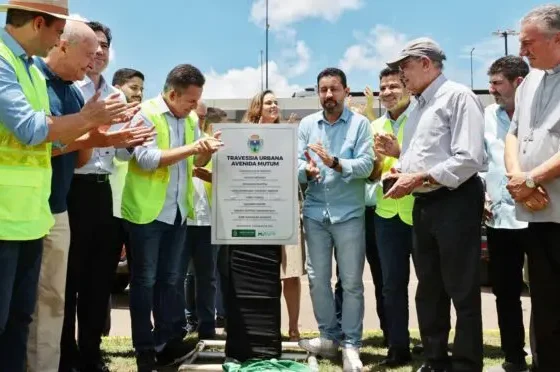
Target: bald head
[73, 57]
[76, 32]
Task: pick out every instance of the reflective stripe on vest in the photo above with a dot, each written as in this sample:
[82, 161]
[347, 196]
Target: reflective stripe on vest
[25, 171]
[389, 208]
[145, 191]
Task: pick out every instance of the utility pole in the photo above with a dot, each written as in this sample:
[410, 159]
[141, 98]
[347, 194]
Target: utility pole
[505, 34]
[262, 72]
[472, 79]
[266, 47]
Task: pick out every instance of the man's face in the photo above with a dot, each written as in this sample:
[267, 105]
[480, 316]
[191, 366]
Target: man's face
[47, 36]
[182, 102]
[133, 89]
[79, 57]
[332, 94]
[503, 90]
[414, 74]
[102, 53]
[540, 48]
[392, 91]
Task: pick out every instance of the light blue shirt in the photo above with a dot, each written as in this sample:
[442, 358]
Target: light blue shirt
[337, 196]
[496, 127]
[16, 114]
[101, 161]
[149, 155]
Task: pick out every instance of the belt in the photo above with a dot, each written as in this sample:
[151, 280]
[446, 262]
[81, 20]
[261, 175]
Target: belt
[442, 191]
[93, 177]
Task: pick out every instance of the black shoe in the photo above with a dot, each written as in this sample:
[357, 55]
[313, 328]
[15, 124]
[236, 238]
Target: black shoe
[99, 366]
[173, 353]
[146, 361]
[192, 326]
[220, 322]
[397, 358]
[510, 367]
[418, 349]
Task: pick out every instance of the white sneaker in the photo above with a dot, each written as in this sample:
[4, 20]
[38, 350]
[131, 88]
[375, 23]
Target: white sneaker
[351, 359]
[320, 346]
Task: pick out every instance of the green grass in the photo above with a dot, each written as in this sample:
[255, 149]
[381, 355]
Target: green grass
[120, 355]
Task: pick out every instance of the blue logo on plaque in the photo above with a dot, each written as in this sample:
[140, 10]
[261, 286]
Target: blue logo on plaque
[255, 143]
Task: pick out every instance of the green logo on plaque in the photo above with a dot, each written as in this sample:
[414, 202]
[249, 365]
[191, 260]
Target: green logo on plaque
[243, 233]
[255, 143]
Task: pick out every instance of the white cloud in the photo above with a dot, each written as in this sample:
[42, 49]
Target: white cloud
[286, 12]
[374, 49]
[246, 82]
[296, 60]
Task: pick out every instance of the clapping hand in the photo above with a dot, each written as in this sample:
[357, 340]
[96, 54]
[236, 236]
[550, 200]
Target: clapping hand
[387, 144]
[404, 185]
[203, 173]
[111, 110]
[313, 172]
[128, 136]
[322, 153]
[209, 145]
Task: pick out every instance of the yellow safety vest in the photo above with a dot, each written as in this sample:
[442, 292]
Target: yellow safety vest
[389, 208]
[144, 191]
[25, 171]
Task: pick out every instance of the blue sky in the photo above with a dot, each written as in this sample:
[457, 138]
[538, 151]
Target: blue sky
[224, 38]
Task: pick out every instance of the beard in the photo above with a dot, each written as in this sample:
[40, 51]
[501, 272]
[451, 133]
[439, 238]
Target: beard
[330, 105]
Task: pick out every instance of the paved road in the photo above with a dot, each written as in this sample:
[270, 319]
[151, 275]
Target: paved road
[121, 317]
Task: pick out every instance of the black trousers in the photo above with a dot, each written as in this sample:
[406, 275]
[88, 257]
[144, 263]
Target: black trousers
[544, 276]
[372, 256]
[446, 255]
[253, 302]
[95, 246]
[507, 249]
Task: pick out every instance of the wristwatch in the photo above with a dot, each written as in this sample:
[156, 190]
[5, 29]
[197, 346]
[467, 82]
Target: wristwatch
[334, 162]
[529, 181]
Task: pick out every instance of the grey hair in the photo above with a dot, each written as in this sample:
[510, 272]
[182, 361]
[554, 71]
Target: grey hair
[438, 64]
[547, 16]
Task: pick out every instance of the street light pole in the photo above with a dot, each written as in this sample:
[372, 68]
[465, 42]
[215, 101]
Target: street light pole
[472, 79]
[262, 72]
[505, 34]
[266, 46]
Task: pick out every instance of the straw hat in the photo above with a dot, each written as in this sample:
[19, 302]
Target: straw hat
[56, 8]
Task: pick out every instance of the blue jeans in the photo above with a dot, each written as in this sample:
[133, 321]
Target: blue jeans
[204, 256]
[157, 248]
[394, 241]
[190, 291]
[20, 264]
[348, 239]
